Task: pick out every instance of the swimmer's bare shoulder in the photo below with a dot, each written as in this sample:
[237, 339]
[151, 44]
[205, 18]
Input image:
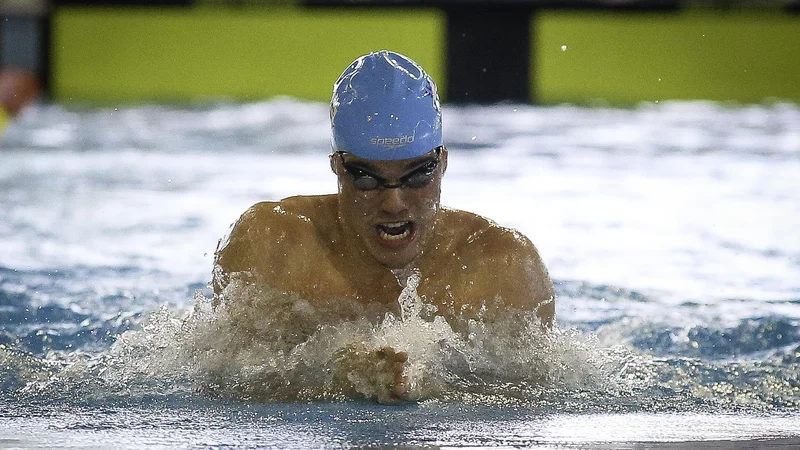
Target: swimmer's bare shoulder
[258, 244]
[502, 262]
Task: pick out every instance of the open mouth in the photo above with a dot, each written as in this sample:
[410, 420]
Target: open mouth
[394, 232]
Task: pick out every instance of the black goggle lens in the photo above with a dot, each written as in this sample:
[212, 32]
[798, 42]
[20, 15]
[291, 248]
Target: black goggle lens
[362, 180]
[365, 181]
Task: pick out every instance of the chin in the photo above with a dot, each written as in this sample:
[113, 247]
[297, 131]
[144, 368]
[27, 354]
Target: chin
[398, 260]
[396, 255]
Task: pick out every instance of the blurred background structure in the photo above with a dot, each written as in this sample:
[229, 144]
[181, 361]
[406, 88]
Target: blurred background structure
[542, 51]
[23, 58]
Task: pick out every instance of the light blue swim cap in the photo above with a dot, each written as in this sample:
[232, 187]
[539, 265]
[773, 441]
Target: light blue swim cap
[385, 107]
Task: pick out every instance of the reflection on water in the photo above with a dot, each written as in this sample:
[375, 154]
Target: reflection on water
[670, 232]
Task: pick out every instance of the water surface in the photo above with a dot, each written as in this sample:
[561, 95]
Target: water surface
[670, 231]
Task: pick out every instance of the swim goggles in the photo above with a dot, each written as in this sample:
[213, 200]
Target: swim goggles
[363, 180]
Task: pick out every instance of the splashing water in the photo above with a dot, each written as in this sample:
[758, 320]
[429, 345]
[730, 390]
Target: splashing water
[270, 346]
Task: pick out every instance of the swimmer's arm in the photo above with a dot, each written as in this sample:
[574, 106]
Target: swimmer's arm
[542, 293]
[520, 275]
[238, 252]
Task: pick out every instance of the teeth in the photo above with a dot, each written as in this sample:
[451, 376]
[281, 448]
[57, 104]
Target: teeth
[394, 226]
[393, 237]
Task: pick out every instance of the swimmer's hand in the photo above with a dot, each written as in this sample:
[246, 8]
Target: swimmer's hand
[392, 384]
[374, 374]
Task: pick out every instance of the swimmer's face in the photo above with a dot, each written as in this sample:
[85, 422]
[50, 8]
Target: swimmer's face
[390, 207]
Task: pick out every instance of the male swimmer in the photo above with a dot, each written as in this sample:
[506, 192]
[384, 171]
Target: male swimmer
[385, 223]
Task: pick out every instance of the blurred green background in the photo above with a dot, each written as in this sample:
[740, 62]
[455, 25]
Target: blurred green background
[140, 54]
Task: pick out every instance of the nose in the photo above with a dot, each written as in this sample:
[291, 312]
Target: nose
[393, 202]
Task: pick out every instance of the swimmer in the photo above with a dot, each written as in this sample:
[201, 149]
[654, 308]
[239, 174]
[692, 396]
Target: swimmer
[386, 222]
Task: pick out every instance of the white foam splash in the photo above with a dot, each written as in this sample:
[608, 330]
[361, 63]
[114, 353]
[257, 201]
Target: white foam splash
[273, 346]
[270, 346]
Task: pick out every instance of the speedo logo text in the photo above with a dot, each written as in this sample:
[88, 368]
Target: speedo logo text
[392, 142]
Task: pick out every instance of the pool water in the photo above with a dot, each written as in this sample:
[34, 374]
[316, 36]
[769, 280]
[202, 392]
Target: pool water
[670, 231]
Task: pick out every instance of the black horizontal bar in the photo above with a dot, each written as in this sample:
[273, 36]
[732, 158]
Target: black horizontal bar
[643, 5]
[790, 6]
[155, 3]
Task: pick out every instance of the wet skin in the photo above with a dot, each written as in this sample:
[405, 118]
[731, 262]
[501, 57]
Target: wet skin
[357, 244]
